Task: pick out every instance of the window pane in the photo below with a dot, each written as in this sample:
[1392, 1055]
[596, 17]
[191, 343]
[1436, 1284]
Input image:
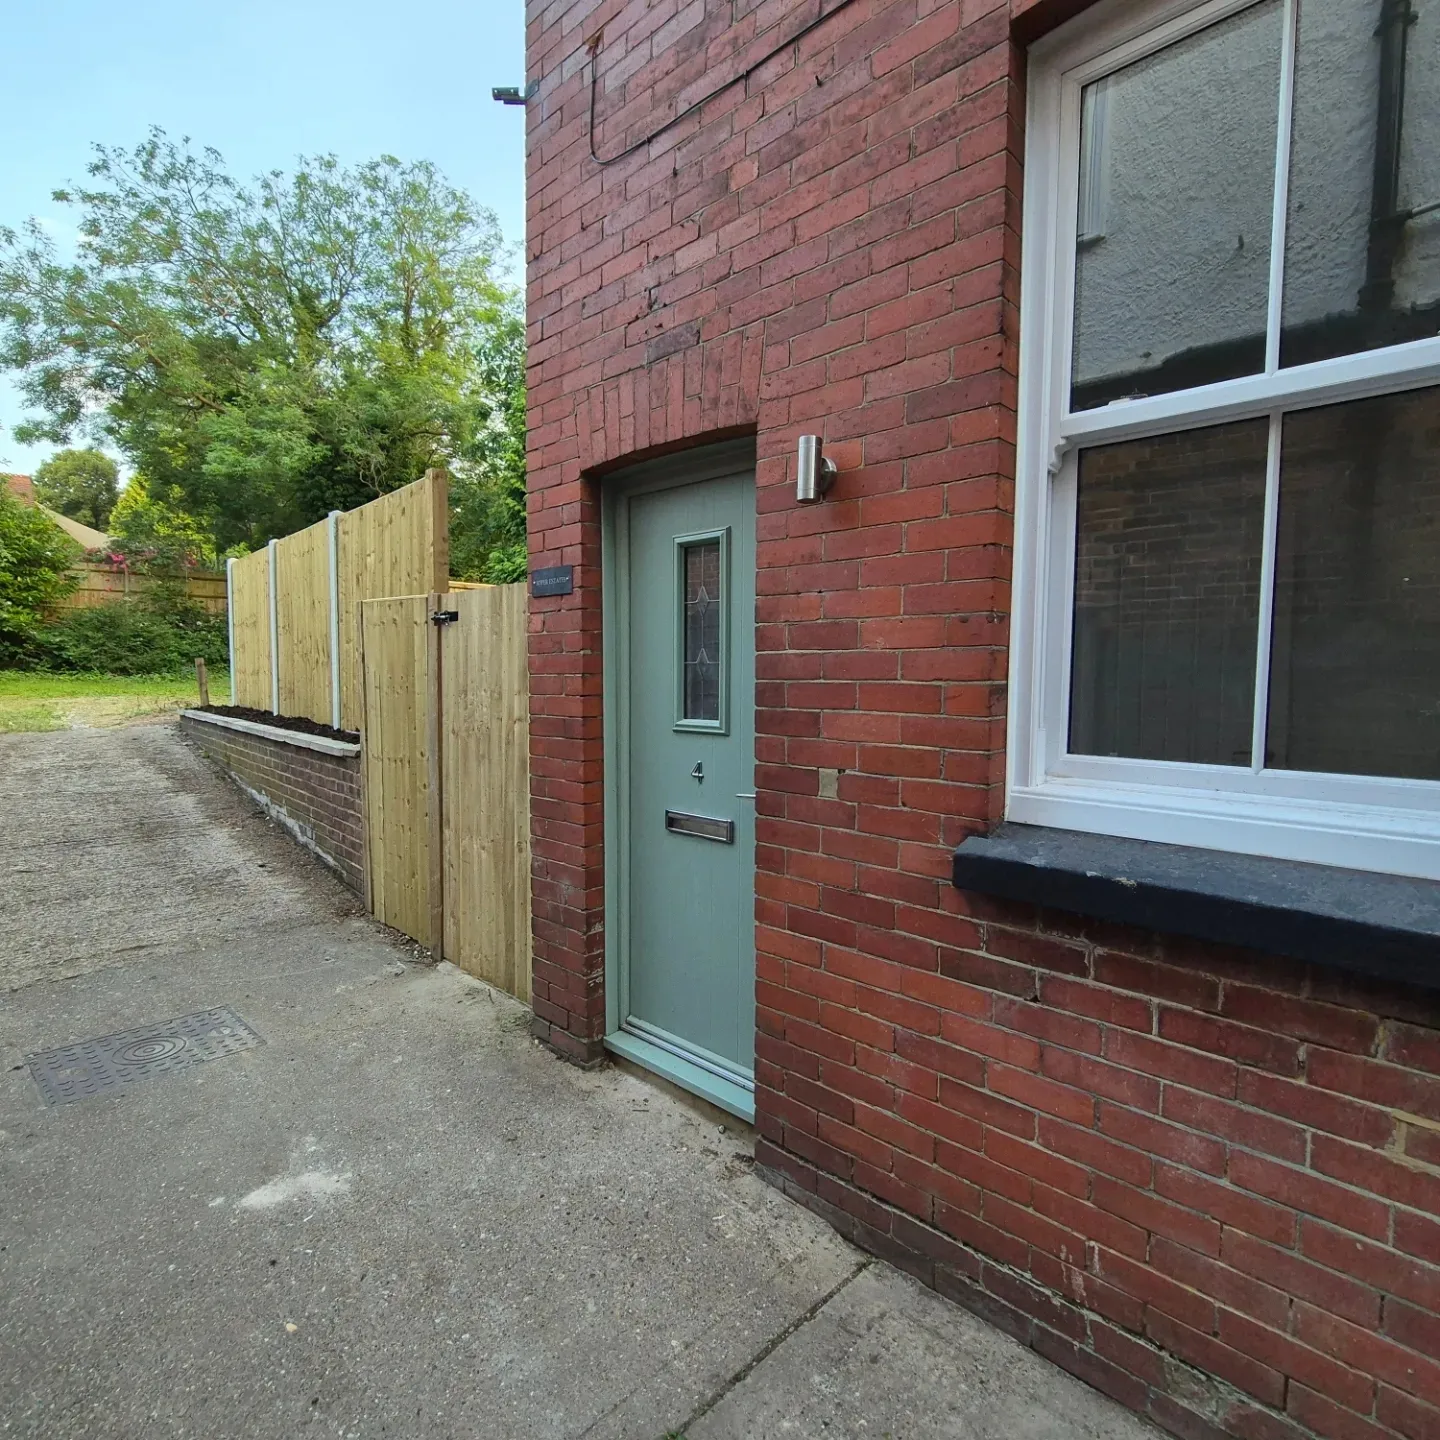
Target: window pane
[1362, 262]
[1172, 266]
[1355, 654]
[702, 631]
[1167, 584]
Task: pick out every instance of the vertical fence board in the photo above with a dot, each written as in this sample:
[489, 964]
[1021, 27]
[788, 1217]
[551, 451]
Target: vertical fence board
[302, 571]
[395, 545]
[250, 663]
[485, 785]
[435, 755]
[395, 679]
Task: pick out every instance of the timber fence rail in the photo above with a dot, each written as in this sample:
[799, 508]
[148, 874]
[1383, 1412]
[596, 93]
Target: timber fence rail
[295, 606]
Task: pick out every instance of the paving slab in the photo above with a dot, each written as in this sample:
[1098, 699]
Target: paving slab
[397, 1215]
[887, 1359]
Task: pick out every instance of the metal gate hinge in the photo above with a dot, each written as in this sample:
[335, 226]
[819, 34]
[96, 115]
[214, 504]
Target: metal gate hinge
[444, 617]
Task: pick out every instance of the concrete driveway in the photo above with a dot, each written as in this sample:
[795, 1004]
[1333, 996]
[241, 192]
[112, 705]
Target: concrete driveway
[397, 1216]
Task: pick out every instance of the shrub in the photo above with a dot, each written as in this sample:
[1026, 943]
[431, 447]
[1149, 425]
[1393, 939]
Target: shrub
[505, 564]
[195, 631]
[132, 639]
[35, 560]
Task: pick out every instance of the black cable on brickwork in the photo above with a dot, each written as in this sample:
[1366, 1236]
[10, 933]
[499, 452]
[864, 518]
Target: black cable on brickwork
[689, 110]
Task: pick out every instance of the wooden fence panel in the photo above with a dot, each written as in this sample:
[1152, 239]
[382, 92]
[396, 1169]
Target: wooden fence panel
[396, 545]
[250, 604]
[302, 594]
[395, 653]
[485, 786]
[102, 584]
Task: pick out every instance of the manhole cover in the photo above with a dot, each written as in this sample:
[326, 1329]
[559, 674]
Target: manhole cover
[113, 1062]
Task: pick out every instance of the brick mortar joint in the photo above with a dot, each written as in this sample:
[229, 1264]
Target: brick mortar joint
[1220, 1397]
[594, 1058]
[270, 788]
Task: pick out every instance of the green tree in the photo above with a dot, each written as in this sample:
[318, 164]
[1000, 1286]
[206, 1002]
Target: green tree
[487, 501]
[83, 484]
[35, 560]
[155, 534]
[262, 353]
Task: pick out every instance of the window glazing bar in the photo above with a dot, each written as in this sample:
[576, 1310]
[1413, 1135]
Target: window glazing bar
[1265, 618]
[1324, 382]
[1283, 129]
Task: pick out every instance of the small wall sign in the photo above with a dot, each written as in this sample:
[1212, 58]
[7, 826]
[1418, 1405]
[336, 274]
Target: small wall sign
[554, 580]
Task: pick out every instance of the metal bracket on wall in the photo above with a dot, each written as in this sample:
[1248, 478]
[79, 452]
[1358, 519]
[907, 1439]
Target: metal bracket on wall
[444, 617]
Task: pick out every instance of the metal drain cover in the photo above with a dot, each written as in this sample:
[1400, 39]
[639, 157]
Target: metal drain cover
[115, 1062]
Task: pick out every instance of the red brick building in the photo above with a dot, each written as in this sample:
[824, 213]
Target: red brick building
[22, 487]
[1093, 829]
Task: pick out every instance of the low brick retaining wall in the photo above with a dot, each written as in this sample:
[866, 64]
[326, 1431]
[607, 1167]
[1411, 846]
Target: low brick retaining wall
[309, 783]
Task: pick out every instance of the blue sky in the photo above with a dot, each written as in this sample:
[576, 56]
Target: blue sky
[262, 81]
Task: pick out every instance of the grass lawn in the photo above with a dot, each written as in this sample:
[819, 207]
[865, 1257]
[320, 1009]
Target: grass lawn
[30, 701]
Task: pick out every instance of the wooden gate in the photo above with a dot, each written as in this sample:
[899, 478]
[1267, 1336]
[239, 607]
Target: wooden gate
[447, 776]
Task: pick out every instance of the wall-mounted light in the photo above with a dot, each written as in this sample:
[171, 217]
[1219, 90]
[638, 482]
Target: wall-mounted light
[814, 474]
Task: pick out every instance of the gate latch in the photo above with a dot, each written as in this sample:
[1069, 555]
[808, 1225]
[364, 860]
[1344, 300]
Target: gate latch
[444, 617]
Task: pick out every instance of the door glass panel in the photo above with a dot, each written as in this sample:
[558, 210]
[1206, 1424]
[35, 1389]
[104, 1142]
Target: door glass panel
[1167, 585]
[702, 631]
[1362, 244]
[1177, 168]
[1355, 667]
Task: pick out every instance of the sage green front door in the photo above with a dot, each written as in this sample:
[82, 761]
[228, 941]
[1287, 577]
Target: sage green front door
[684, 555]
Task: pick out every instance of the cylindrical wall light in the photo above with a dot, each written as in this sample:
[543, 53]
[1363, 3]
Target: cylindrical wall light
[814, 474]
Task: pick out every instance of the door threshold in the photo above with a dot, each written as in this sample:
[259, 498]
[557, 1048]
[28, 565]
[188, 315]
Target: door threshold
[685, 1073]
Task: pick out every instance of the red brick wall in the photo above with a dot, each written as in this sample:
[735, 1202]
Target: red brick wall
[831, 247]
[1177, 1171]
[1205, 1181]
[315, 795]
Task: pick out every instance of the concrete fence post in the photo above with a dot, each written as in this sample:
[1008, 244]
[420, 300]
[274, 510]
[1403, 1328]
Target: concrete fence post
[230, 620]
[274, 636]
[334, 537]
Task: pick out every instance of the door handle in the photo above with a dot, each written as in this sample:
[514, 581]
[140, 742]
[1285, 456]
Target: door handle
[745, 795]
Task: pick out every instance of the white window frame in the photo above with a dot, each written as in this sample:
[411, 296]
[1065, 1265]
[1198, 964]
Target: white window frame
[1361, 822]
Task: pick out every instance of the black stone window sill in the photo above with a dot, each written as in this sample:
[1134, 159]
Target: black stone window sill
[1381, 925]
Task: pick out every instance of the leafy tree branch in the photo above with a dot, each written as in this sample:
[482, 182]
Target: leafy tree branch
[264, 352]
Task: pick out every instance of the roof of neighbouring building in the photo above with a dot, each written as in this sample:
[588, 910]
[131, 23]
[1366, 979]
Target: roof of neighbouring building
[87, 535]
[23, 488]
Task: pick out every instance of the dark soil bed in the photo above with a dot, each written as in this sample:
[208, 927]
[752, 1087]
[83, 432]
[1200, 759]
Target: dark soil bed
[283, 722]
